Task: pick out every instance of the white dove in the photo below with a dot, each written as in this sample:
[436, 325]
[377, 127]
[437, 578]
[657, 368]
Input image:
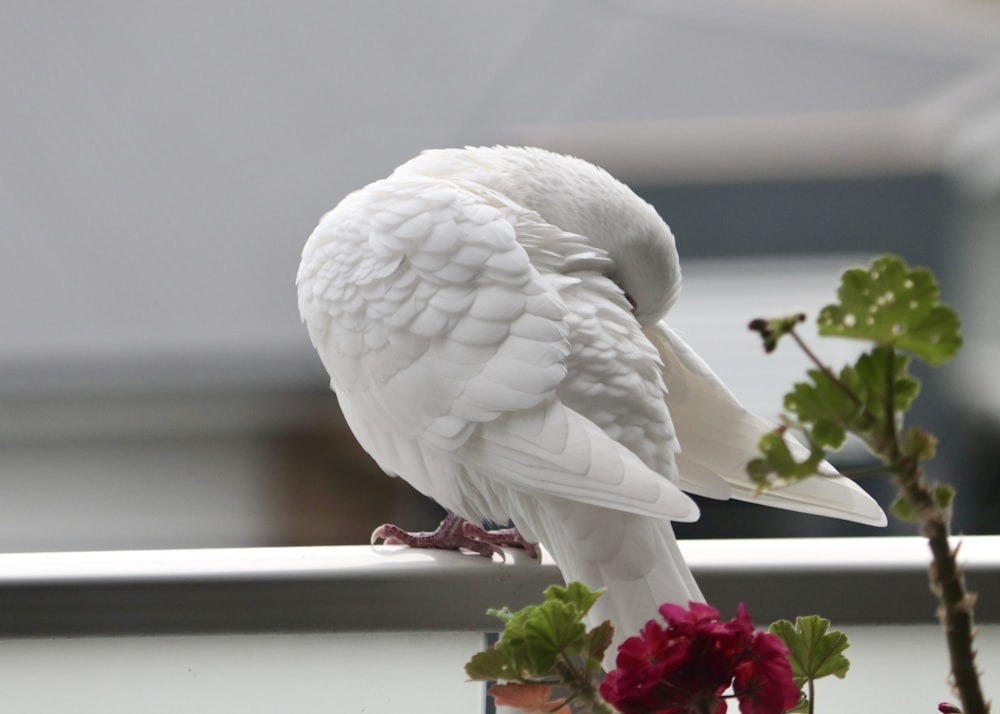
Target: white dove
[491, 320]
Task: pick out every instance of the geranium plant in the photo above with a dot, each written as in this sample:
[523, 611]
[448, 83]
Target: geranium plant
[695, 663]
[690, 663]
[544, 646]
[897, 310]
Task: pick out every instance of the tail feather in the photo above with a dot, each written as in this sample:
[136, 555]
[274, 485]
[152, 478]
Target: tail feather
[635, 557]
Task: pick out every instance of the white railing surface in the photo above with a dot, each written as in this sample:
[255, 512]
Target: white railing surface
[359, 629]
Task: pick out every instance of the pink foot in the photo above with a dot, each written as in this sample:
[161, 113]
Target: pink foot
[502, 538]
[455, 533]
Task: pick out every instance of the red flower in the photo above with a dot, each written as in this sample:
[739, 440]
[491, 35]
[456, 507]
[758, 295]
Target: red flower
[685, 667]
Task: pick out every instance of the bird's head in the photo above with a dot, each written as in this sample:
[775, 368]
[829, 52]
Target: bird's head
[579, 197]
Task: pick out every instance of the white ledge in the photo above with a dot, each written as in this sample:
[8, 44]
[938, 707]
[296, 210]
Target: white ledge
[878, 554]
[353, 588]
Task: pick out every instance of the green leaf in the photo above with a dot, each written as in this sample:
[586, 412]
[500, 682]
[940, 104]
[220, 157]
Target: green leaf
[598, 641]
[855, 401]
[829, 406]
[826, 406]
[802, 707]
[815, 651]
[492, 664]
[828, 433]
[943, 496]
[877, 368]
[575, 594]
[535, 636]
[503, 613]
[894, 305]
[905, 510]
[778, 466]
[555, 629]
[872, 373]
[919, 444]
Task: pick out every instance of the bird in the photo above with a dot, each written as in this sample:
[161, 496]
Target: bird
[492, 322]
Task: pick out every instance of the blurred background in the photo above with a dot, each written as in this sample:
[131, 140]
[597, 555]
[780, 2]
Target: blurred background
[161, 165]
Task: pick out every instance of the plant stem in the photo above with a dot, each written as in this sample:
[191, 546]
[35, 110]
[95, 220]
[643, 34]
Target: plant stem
[947, 584]
[812, 695]
[891, 425]
[946, 580]
[581, 684]
[826, 370]
[594, 702]
[862, 471]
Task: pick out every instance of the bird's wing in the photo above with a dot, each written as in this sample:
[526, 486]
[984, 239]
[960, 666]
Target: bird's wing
[438, 331]
[718, 436]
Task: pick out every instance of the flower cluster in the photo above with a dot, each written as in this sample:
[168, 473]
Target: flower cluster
[687, 666]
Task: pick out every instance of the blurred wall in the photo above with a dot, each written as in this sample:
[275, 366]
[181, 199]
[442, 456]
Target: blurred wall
[162, 164]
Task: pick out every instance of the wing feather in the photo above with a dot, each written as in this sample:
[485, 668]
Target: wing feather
[718, 436]
[569, 457]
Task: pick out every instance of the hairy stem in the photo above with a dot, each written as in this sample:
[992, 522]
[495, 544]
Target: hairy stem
[948, 585]
[946, 580]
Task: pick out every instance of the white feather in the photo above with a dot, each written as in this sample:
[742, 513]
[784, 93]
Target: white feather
[718, 436]
[471, 311]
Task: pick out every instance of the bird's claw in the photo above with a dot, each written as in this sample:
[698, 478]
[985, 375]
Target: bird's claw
[502, 537]
[455, 533]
